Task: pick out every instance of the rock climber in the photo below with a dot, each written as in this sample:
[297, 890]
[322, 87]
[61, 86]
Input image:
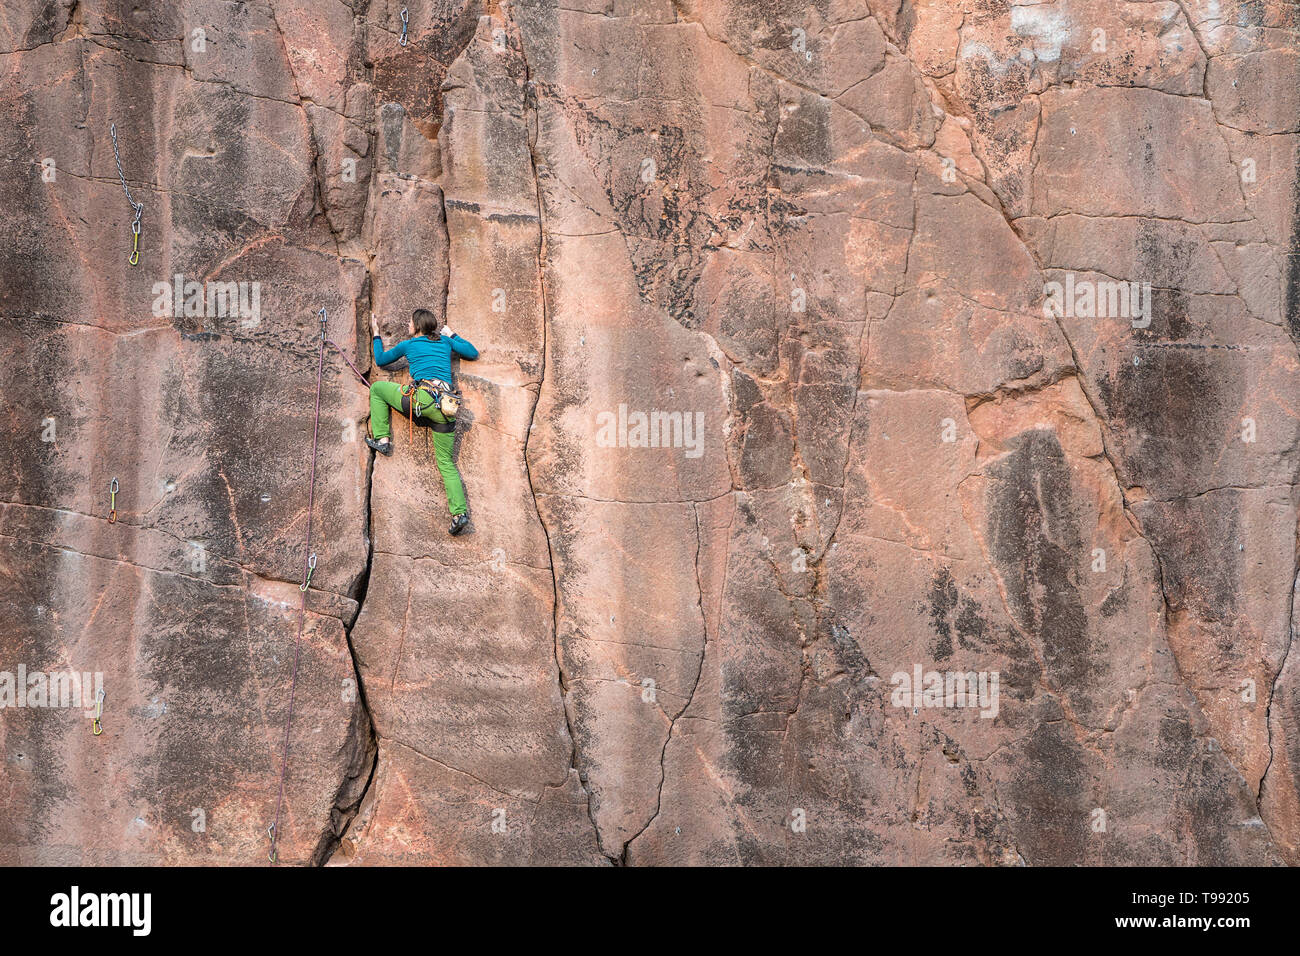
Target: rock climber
[428, 355]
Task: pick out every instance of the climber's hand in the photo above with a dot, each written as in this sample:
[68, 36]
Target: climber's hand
[374, 325]
[447, 332]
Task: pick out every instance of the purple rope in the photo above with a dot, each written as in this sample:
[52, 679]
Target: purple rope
[355, 370]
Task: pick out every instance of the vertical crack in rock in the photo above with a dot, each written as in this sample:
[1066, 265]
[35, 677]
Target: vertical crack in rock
[530, 107]
[695, 684]
[1268, 714]
[363, 738]
[1291, 320]
[361, 741]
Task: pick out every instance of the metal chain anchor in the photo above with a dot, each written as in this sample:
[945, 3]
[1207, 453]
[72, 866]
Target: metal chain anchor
[112, 501]
[96, 727]
[137, 206]
[401, 41]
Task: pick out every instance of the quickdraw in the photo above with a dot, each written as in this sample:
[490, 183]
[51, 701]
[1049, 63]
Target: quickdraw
[112, 501]
[311, 567]
[401, 41]
[96, 726]
[137, 206]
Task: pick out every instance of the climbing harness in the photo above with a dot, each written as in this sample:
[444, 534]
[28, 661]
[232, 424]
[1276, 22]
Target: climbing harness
[137, 206]
[309, 558]
[96, 727]
[441, 397]
[112, 501]
[445, 398]
[401, 41]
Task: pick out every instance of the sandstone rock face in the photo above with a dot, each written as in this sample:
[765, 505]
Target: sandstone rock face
[824, 346]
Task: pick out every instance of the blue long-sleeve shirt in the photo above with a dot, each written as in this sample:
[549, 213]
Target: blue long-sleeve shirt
[427, 356]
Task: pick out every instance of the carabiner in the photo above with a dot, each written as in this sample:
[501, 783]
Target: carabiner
[311, 567]
[270, 831]
[402, 40]
[112, 501]
[135, 243]
[96, 727]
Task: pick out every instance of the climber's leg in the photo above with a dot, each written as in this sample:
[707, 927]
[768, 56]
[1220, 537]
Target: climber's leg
[443, 442]
[383, 396]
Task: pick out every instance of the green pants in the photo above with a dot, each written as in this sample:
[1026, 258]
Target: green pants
[386, 395]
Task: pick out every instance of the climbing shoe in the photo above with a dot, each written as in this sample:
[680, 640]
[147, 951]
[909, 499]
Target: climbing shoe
[383, 447]
[458, 524]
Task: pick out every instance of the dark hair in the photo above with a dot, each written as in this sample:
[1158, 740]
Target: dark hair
[426, 323]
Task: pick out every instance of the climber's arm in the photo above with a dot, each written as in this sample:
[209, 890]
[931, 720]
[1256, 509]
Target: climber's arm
[462, 347]
[382, 357]
[390, 356]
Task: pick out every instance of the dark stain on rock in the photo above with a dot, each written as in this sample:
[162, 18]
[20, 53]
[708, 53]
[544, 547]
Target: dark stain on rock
[1164, 256]
[805, 133]
[1250, 13]
[1213, 793]
[848, 654]
[824, 418]
[767, 447]
[906, 23]
[1175, 744]
[46, 23]
[651, 176]
[1115, 601]
[1169, 414]
[764, 437]
[35, 266]
[769, 24]
[961, 625]
[1170, 312]
[1050, 798]
[210, 192]
[943, 601]
[1197, 542]
[1036, 548]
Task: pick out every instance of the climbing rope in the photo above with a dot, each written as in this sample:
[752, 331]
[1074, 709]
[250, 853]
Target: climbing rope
[355, 371]
[309, 559]
[402, 39]
[112, 501]
[137, 206]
